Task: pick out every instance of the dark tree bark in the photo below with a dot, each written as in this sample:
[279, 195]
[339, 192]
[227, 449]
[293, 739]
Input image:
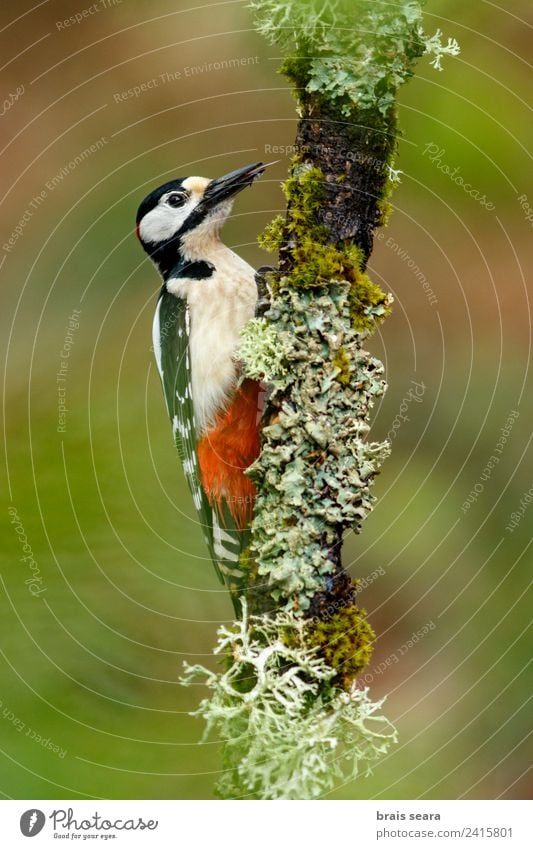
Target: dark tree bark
[353, 156]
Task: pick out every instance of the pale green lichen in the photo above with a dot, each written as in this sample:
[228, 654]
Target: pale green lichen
[433, 46]
[316, 461]
[262, 350]
[288, 733]
[324, 57]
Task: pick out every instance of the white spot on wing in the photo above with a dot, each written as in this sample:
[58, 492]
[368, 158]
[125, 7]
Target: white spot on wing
[220, 551]
[156, 339]
[218, 536]
[224, 535]
[236, 573]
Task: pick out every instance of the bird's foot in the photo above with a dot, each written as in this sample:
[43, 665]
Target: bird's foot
[263, 290]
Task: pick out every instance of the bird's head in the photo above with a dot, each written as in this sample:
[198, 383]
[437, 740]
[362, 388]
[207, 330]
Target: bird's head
[182, 217]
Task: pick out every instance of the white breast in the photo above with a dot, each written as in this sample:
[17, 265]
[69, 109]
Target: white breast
[218, 306]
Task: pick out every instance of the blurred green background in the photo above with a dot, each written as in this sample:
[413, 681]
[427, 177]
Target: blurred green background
[90, 665]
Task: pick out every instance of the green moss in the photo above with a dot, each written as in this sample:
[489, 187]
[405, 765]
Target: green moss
[271, 238]
[315, 262]
[305, 190]
[344, 641]
[384, 205]
[385, 211]
[369, 305]
[258, 601]
[297, 69]
[246, 561]
[341, 361]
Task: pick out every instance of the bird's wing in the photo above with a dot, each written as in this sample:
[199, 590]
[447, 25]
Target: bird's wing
[229, 542]
[171, 347]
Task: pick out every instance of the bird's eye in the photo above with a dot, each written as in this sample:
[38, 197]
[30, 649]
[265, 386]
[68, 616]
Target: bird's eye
[176, 199]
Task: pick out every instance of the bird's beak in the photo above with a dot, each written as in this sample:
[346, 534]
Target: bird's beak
[228, 186]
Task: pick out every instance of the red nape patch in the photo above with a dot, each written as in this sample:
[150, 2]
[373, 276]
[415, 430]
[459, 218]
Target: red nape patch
[228, 449]
[138, 231]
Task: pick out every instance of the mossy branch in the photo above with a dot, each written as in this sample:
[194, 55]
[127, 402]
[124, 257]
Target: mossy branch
[288, 699]
[282, 721]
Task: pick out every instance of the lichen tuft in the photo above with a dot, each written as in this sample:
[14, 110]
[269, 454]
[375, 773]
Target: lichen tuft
[288, 731]
[326, 61]
[263, 350]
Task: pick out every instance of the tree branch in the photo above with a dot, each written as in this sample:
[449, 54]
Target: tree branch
[288, 698]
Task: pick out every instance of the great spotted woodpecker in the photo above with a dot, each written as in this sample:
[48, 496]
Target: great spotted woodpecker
[208, 294]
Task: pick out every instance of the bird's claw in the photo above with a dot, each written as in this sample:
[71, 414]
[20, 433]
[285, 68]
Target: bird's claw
[263, 290]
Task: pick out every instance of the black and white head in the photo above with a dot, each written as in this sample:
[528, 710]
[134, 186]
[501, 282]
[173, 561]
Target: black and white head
[182, 216]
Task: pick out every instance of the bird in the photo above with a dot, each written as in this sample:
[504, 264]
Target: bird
[208, 294]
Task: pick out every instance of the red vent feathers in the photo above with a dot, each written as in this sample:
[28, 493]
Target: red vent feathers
[228, 448]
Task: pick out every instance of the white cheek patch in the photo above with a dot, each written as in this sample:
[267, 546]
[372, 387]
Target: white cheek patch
[163, 221]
